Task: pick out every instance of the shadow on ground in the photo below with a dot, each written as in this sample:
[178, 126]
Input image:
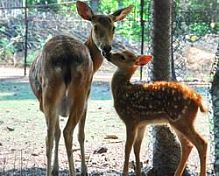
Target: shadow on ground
[19, 89]
[36, 171]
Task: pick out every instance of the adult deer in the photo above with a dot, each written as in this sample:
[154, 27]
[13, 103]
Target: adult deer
[160, 102]
[61, 78]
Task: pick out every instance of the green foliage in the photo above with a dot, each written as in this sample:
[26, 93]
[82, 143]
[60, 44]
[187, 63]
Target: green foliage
[130, 27]
[31, 56]
[35, 2]
[67, 10]
[6, 48]
[53, 6]
[2, 29]
[193, 17]
[200, 28]
[215, 29]
[109, 7]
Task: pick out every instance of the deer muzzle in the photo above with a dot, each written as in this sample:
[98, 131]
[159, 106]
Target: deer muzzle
[106, 51]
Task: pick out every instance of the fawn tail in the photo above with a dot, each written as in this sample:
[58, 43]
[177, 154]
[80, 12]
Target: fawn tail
[202, 107]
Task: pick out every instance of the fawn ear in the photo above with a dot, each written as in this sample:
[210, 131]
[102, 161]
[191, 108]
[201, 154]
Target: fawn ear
[84, 10]
[143, 59]
[122, 13]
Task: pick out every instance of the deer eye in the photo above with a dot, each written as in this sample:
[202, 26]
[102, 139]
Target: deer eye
[95, 28]
[113, 29]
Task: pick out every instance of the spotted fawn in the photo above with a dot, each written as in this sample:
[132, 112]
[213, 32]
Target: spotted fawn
[155, 103]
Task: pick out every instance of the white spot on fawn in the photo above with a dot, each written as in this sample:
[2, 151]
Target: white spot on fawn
[179, 116]
[185, 97]
[184, 109]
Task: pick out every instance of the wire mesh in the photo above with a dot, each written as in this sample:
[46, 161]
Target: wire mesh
[45, 21]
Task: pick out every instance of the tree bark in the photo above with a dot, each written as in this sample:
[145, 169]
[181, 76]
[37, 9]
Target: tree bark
[215, 101]
[166, 150]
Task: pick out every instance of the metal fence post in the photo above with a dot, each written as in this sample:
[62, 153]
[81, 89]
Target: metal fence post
[142, 33]
[26, 37]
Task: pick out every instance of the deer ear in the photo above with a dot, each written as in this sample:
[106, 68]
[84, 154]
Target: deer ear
[84, 10]
[143, 59]
[122, 13]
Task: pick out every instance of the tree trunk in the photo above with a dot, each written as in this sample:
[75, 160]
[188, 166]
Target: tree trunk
[215, 100]
[161, 39]
[166, 151]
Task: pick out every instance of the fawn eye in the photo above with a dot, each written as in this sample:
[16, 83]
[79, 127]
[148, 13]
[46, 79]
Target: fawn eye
[95, 28]
[122, 58]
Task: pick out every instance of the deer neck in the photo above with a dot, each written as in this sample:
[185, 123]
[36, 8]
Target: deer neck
[121, 79]
[95, 53]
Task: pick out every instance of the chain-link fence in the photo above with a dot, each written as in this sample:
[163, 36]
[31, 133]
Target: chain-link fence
[24, 33]
[25, 28]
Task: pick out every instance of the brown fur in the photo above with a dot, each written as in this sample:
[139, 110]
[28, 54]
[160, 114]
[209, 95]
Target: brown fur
[160, 102]
[61, 78]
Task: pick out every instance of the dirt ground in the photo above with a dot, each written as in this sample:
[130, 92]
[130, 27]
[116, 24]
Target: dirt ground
[23, 131]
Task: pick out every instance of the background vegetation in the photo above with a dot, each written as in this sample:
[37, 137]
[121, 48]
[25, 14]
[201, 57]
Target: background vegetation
[192, 18]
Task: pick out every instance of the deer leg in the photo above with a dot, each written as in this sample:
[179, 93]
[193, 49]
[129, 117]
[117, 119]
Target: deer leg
[68, 137]
[130, 137]
[50, 115]
[137, 147]
[55, 170]
[49, 102]
[201, 145]
[81, 137]
[76, 113]
[186, 148]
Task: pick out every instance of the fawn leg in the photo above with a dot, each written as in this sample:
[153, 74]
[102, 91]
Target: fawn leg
[137, 147]
[81, 137]
[201, 145]
[130, 137]
[55, 170]
[186, 147]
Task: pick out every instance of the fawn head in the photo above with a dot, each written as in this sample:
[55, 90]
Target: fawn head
[127, 60]
[103, 25]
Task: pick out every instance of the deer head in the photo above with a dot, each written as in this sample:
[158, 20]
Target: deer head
[103, 25]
